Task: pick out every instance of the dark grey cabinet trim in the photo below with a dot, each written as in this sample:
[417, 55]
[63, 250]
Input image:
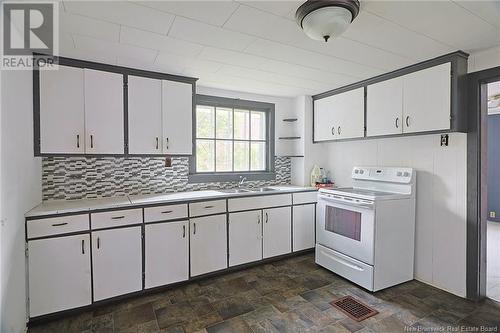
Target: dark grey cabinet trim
[125, 71]
[458, 119]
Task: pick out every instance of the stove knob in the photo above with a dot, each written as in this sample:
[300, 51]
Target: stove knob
[399, 173]
[406, 174]
[361, 171]
[356, 171]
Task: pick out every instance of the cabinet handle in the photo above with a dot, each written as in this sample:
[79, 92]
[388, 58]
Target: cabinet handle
[98, 242]
[208, 207]
[258, 219]
[397, 122]
[91, 141]
[78, 141]
[167, 143]
[194, 228]
[333, 130]
[183, 231]
[267, 217]
[118, 217]
[338, 130]
[166, 212]
[59, 224]
[157, 142]
[407, 121]
[83, 246]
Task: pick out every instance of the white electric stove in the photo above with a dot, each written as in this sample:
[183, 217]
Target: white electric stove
[365, 233]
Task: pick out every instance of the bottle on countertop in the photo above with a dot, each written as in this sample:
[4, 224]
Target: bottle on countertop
[315, 175]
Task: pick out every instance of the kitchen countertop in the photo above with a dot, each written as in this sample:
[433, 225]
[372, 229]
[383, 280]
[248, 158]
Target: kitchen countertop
[55, 207]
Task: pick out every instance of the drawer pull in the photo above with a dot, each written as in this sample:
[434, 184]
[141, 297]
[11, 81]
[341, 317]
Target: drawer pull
[59, 224]
[167, 212]
[267, 217]
[183, 231]
[194, 228]
[118, 217]
[98, 242]
[83, 246]
[208, 207]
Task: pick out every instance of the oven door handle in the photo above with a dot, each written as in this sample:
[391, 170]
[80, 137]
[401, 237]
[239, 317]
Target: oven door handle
[349, 202]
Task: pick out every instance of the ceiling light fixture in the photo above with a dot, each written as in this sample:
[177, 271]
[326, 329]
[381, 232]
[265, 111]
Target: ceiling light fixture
[322, 19]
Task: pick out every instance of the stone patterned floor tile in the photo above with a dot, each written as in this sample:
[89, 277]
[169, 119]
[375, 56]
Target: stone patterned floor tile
[230, 326]
[232, 306]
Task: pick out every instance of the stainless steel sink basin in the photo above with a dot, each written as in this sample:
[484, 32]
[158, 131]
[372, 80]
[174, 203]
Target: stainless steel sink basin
[234, 190]
[263, 189]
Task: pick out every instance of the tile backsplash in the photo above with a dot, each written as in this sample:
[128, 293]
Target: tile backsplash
[90, 177]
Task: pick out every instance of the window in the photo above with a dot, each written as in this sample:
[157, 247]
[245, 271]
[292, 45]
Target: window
[232, 138]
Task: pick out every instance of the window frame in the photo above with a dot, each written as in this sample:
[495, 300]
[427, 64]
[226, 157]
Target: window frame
[231, 176]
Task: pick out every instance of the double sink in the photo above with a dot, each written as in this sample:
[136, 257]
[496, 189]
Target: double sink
[246, 190]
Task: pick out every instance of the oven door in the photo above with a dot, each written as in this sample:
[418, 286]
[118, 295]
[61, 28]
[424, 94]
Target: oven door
[346, 225]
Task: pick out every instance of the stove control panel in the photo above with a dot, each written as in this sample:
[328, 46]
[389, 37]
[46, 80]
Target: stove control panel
[384, 174]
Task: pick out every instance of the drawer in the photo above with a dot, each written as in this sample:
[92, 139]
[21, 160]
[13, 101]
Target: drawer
[305, 197]
[259, 202]
[57, 225]
[115, 218]
[352, 269]
[207, 207]
[165, 213]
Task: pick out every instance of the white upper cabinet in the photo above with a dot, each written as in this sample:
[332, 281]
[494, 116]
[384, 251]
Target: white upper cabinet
[177, 106]
[104, 112]
[144, 116]
[384, 108]
[427, 99]
[339, 116]
[62, 116]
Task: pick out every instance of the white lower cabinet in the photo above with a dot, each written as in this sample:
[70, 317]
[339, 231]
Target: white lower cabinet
[277, 231]
[116, 262]
[245, 237]
[166, 253]
[303, 227]
[208, 244]
[59, 274]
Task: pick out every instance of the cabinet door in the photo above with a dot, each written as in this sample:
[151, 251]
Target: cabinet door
[277, 231]
[351, 109]
[426, 101]
[303, 227]
[325, 121]
[62, 117]
[59, 274]
[144, 116]
[166, 253]
[104, 113]
[340, 116]
[177, 105]
[384, 108]
[208, 236]
[116, 262]
[245, 237]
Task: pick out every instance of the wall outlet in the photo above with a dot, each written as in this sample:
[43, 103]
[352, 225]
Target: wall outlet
[444, 140]
[493, 215]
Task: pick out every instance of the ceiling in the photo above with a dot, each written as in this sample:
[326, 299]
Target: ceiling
[256, 46]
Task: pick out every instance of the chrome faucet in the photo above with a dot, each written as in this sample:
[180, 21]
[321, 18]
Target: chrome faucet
[242, 180]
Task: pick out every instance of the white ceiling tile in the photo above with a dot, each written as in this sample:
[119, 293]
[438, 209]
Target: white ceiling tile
[92, 46]
[271, 78]
[305, 58]
[231, 57]
[200, 68]
[208, 35]
[174, 63]
[256, 22]
[443, 21]
[488, 10]
[124, 13]
[375, 31]
[65, 42]
[82, 25]
[80, 54]
[211, 12]
[122, 60]
[153, 40]
[281, 8]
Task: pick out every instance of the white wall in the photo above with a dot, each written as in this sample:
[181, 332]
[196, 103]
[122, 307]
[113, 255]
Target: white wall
[20, 180]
